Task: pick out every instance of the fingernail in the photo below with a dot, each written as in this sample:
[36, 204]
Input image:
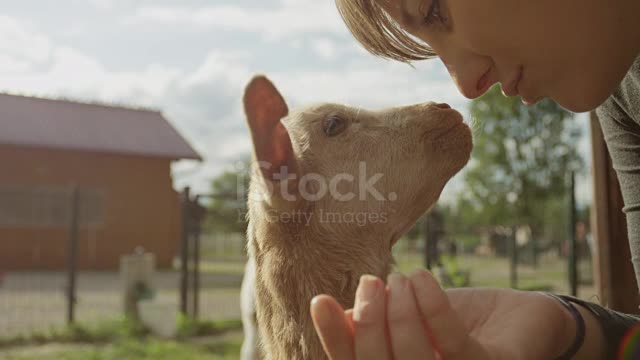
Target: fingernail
[423, 273]
[418, 279]
[427, 276]
[315, 301]
[398, 284]
[369, 290]
[319, 312]
[424, 283]
[368, 287]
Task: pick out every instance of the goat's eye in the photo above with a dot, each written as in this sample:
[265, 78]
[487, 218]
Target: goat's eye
[334, 125]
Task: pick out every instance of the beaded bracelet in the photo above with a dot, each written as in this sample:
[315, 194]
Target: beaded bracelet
[580, 328]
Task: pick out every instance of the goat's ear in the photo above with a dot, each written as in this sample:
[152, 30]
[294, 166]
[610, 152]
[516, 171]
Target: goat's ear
[265, 107]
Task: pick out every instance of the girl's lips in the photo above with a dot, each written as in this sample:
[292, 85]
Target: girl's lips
[530, 102]
[483, 82]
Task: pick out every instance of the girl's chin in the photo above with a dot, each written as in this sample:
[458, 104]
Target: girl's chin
[583, 99]
[583, 104]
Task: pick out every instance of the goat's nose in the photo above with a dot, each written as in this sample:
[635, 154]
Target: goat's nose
[442, 106]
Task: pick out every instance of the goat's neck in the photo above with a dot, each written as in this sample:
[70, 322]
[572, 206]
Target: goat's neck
[294, 264]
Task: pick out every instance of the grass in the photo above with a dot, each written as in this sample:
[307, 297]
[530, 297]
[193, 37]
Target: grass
[119, 329]
[125, 339]
[188, 328]
[486, 271]
[102, 332]
[136, 350]
[550, 275]
[224, 267]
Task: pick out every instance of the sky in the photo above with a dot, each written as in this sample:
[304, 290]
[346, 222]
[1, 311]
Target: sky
[192, 58]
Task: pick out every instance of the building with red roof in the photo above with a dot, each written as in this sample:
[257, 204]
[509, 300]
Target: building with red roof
[119, 161]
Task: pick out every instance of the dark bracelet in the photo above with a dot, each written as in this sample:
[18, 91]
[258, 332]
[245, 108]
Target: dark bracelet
[580, 328]
[615, 326]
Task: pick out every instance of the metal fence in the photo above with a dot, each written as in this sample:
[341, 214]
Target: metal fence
[205, 280]
[501, 256]
[36, 301]
[48, 218]
[212, 265]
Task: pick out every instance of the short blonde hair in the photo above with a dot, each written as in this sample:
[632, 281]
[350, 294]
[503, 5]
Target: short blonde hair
[380, 34]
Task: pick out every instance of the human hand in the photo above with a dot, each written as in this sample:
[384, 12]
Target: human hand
[414, 318]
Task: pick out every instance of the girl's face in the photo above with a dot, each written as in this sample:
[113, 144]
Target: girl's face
[573, 51]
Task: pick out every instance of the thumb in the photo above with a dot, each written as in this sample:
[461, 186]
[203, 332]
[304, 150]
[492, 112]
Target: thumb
[447, 331]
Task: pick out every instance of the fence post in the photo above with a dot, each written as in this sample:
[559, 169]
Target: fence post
[184, 253]
[427, 243]
[196, 262]
[513, 252]
[72, 255]
[573, 253]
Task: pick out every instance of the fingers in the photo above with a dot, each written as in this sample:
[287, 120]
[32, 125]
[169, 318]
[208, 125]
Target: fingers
[445, 327]
[408, 336]
[332, 326]
[369, 320]
[400, 324]
[349, 317]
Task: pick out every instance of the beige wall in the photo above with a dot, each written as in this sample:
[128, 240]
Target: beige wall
[140, 208]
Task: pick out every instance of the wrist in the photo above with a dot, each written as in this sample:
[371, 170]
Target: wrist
[593, 346]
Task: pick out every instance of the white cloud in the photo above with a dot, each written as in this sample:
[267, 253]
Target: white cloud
[19, 43]
[290, 18]
[11, 65]
[75, 74]
[325, 48]
[370, 83]
[102, 4]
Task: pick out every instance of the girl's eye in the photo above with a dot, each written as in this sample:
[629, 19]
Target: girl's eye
[434, 15]
[333, 125]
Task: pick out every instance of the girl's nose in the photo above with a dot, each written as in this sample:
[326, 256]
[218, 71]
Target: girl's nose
[471, 84]
[471, 74]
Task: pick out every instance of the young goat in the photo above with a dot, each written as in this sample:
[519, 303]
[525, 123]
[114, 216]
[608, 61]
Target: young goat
[336, 188]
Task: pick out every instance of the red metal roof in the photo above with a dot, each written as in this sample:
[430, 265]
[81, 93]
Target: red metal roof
[30, 121]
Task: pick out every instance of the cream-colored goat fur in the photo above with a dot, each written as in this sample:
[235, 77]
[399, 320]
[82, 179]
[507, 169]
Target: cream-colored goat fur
[299, 250]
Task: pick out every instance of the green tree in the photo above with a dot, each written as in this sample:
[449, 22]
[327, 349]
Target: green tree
[521, 161]
[228, 205]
